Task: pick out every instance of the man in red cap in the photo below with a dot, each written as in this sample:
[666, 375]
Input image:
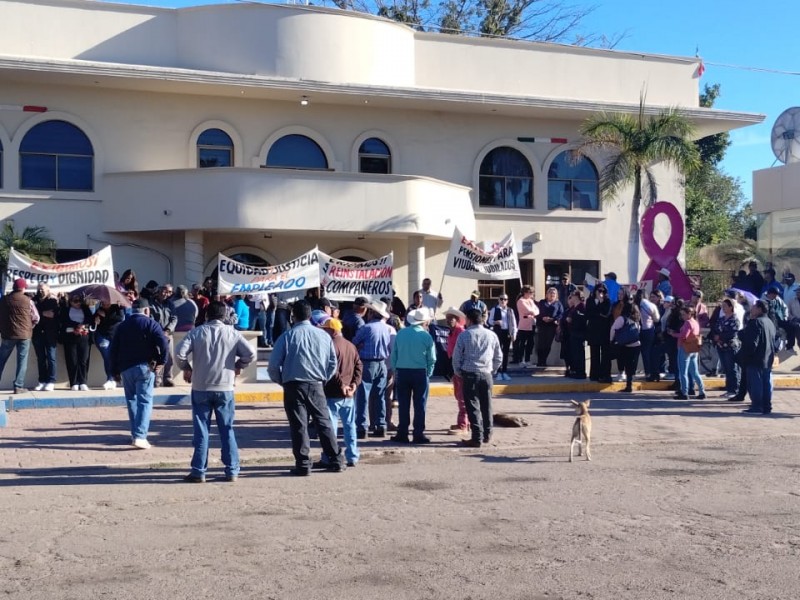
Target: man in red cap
[18, 316]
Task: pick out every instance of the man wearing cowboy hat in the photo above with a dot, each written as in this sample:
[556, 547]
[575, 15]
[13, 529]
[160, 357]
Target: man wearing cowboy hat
[663, 282]
[455, 321]
[413, 359]
[373, 341]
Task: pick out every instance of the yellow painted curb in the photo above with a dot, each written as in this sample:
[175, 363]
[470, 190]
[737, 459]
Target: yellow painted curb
[564, 387]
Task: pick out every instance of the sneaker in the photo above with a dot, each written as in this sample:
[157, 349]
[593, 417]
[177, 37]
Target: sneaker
[524, 364]
[460, 431]
[191, 478]
[231, 478]
[620, 377]
[83, 387]
[669, 377]
[39, 387]
[141, 444]
[49, 387]
[20, 390]
[75, 388]
[110, 385]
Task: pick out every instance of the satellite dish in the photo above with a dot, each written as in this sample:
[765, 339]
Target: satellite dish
[786, 136]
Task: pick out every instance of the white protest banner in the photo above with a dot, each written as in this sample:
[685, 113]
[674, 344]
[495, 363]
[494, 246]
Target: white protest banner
[346, 281]
[467, 259]
[238, 278]
[590, 280]
[97, 269]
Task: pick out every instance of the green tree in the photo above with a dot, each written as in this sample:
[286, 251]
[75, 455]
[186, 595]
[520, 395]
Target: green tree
[716, 210]
[34, 242]
[634, 144]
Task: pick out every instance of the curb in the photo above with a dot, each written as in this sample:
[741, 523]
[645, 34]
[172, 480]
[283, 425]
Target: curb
[437, 390]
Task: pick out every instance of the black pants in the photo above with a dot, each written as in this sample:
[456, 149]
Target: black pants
[76, 353]
[577, 355]
[301, 400]
[600, 361]
[478, 401]
[629, 357]
[524, 345]
[547, 333]
[505, 345]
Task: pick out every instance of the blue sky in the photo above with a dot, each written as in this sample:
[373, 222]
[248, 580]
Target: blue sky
[731, 32]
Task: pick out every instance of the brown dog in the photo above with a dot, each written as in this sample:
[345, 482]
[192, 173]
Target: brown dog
[582, 429]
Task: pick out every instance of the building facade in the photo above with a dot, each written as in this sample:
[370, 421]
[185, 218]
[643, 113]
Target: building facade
[260, 131]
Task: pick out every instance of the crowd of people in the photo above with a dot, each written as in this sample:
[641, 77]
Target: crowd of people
[375, 361]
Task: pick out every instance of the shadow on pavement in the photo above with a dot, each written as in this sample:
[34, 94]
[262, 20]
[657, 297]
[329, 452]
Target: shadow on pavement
[122, 475]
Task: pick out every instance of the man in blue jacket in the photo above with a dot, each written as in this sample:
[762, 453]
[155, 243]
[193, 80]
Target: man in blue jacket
[138, 348]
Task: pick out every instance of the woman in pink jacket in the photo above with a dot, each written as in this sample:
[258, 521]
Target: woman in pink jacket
[527, 311]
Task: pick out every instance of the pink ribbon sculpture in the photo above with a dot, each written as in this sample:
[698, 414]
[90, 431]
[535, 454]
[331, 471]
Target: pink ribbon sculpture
[666, 256]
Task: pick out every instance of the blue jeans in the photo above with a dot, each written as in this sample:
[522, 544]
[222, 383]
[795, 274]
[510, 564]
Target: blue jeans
[221, 404]
[46, 359]
[731, 369]
[759, 386]
[369, 395]
[344, 408]
[104, 346]
[22, 346]
[137, 382]
[411, 382]
[648, 337]
[689, 372]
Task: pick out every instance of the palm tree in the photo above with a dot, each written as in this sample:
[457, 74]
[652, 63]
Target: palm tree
[636, 143]
[34, 242]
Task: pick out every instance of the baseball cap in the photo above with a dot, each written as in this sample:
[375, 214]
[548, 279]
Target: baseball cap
[361, 301]
[611, 275]
[334, 324]
[669, 299]
[319, 317]
[20, 284]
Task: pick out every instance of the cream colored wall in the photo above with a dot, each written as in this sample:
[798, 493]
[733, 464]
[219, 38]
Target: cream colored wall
[319, 44]
[552, 71]
[141, 131]
[777, 188]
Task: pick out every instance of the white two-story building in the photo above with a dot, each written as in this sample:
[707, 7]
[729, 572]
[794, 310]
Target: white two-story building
[261, 131]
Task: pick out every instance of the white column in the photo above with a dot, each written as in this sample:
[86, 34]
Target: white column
[416, 263]
[193, 257]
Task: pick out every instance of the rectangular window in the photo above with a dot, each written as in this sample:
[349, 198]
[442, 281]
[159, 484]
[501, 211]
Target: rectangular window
[214, 157]
[37, 171]
[374, 164]
[577, 269]
[75, 173]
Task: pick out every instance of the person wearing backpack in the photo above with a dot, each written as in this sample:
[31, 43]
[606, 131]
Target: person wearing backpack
[625, 337]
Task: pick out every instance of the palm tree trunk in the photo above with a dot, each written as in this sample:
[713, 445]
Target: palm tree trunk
[633, 232]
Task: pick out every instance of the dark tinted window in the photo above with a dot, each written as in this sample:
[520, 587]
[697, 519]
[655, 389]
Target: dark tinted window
[374, 157]
[296, 152]
[506, 179]
[214, 149]
[56, 155]
[572, 183]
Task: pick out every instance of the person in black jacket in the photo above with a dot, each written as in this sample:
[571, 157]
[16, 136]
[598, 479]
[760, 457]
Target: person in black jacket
[756, 356]
[107, 318]
[575, 320]
[138, 348]
[45, 337]
[76, 320]
[598, 328]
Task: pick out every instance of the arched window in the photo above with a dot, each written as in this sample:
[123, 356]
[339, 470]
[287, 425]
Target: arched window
[56, 155]
[506, 179]
[296, 151]
[214, 149]
[374, 156]
[572, 183]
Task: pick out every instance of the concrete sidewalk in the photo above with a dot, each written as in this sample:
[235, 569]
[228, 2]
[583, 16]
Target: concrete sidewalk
[66, 439]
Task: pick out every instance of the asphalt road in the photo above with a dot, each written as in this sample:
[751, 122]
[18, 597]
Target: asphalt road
[713, 520]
